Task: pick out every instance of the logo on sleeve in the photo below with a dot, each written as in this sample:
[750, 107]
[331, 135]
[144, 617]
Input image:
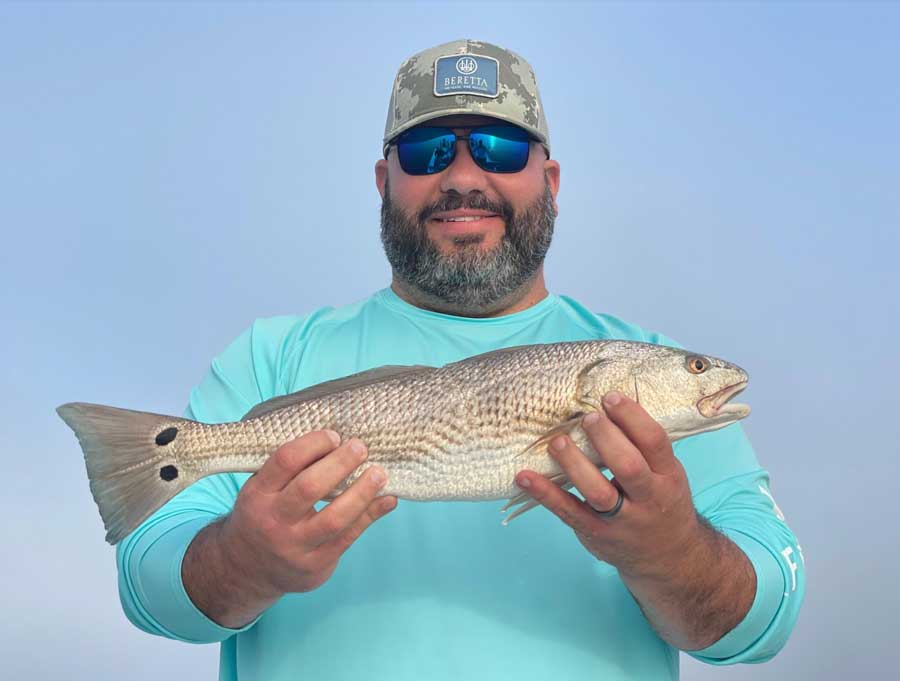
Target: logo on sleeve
[470, 74]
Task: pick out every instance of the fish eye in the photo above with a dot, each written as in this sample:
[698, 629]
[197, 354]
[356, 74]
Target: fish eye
[697, 364]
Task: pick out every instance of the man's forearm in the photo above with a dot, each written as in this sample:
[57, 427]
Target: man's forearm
[700, 595]
[217, 583]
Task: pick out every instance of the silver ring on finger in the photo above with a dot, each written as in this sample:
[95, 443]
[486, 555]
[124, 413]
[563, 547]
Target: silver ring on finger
[611, 512]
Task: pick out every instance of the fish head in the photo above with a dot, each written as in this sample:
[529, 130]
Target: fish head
[686, 392]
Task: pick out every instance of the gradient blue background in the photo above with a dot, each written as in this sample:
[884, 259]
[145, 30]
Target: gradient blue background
[169, 172]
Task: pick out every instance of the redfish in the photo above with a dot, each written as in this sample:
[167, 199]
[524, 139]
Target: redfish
[457, 432]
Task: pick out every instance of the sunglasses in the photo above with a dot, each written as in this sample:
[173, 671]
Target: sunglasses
[427, 150]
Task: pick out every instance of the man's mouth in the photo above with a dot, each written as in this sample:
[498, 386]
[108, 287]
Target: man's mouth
[463, 216]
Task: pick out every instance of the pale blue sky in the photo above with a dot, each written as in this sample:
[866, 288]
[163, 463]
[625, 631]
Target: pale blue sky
[730, 178]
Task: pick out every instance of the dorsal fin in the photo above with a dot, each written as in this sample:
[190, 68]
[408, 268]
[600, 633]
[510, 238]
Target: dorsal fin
[337, 385]
[513, 349]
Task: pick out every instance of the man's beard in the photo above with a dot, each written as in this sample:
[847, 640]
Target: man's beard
[470, 280]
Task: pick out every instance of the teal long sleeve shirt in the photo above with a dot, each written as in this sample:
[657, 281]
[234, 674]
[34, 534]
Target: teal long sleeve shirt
[443, 590]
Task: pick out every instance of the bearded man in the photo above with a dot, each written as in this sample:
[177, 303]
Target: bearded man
[674, 548]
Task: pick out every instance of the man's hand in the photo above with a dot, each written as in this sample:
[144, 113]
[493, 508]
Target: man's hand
[274, 541]
[657, 517]
[693, 584]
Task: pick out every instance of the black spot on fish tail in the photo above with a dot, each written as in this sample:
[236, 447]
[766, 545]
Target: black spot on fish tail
[166, 436]
[168, 473]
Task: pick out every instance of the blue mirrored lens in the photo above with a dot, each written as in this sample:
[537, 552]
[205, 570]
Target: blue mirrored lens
[495, 148]
[499, 148]
[423, 151]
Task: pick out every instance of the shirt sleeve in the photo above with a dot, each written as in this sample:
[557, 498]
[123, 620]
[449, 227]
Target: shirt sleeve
[742, 507]
[149, 559]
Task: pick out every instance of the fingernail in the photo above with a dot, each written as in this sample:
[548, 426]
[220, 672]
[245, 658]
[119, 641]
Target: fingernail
[558, 444]
[378, 476]
[591, 418]
[334, 437]
[612, 398]
[358, 448]
[523, 482]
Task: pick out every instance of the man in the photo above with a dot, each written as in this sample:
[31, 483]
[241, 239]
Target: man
[296, 589]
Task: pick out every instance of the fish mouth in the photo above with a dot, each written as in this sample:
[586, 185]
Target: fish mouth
[715, 406]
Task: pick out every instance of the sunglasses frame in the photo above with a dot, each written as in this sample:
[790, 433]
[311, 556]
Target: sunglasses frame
[457, 138]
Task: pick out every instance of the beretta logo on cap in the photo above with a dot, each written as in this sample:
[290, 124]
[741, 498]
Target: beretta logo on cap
[468, 74]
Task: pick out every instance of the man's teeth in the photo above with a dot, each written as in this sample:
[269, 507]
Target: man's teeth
[471, 218]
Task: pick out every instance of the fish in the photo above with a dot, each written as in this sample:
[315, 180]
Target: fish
[457, 432]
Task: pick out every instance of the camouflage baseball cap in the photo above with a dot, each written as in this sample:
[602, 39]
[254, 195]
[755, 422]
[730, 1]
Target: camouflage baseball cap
[465, 77]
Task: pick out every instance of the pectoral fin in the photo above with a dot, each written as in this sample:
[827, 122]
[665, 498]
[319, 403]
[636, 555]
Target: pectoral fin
[540, 446]
[573, 429]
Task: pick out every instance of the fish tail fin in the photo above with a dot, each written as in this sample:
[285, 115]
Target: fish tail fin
[130, 462]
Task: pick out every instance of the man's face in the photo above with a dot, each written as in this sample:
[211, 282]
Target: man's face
[473, 266]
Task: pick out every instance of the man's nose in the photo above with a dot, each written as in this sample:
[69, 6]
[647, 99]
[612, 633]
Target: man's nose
[463, 175]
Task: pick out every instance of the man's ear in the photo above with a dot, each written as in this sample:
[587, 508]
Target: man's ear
[551, 172]
[381, 173]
